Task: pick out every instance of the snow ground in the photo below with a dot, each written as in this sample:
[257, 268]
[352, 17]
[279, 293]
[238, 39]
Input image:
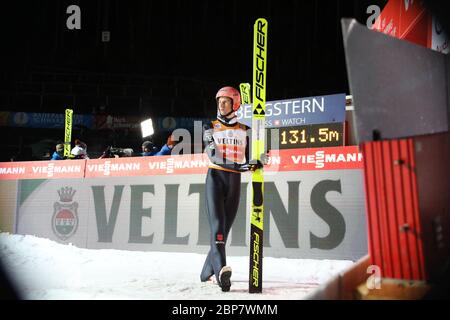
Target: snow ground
[46, 270]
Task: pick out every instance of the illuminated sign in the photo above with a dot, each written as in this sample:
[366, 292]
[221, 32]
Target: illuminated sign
[309, 136]
[298, 111]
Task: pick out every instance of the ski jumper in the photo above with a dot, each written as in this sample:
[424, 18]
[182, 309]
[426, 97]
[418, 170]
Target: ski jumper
[228, 151]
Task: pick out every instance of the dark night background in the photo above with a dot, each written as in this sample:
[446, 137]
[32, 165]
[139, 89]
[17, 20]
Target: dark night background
[165, 58]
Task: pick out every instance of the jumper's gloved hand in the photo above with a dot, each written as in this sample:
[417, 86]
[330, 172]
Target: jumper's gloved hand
[208, 136]
[208, 139]
[252, 166]
[256, 164]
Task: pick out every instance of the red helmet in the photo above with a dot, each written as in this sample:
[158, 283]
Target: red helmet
[231, 93]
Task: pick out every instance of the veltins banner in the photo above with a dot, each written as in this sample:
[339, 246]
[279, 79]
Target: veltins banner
[317, 214]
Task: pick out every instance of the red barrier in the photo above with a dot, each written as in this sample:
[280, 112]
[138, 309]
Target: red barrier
[407, 183]
[332, 158]
[42, 169]
[391, 190]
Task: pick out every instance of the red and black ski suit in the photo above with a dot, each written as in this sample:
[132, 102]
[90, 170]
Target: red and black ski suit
[228, 151]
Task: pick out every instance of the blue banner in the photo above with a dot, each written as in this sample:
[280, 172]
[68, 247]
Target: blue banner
[47, 120]
[299, 111]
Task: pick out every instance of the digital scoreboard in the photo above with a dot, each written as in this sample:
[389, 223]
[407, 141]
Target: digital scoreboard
[306, 136]
[309, 122]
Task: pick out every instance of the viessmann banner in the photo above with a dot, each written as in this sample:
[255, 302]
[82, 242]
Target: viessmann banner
[330, 158]
[317, 212]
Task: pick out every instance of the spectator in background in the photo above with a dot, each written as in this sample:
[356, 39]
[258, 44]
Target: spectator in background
[112, 152]
[149, 148]
[80, 150]
[59, 153]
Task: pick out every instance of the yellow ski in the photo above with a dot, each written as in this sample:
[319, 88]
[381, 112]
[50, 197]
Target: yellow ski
[244, 88]
[68, 133]
[258, 148]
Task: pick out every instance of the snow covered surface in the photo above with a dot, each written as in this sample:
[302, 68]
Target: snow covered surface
[43, 269]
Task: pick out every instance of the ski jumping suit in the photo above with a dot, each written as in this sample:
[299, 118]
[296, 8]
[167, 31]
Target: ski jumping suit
[228, 151]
